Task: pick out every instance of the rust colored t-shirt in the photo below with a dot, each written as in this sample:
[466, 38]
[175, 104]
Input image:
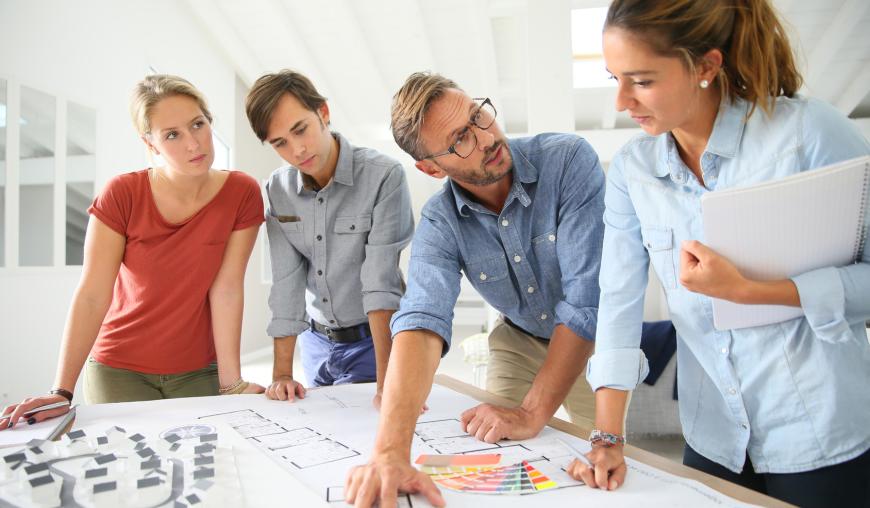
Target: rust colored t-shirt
[160, 321]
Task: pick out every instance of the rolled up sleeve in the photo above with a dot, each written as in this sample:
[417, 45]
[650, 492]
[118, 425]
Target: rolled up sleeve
[580, 232]
[618, 361]
[834, 299]
[289, 272]
[433, 284]
[392, 229]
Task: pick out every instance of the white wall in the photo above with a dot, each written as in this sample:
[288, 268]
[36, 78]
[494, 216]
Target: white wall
[258, 160]
[91, 53]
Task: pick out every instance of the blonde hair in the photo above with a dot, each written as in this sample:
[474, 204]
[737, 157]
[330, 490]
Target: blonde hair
[155, 88]
[758, 61]
[409, 108]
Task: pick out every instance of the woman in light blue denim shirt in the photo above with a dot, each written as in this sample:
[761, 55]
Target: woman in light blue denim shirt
[784, 408]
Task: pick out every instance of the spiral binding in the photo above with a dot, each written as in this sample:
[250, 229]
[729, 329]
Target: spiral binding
[862, 210]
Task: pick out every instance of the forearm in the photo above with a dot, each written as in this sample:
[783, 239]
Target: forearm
[226, 320]
[282, 364]
[415, 356]
[567, 355]
[775, 292]
[379, 322]
[80, 332]
[610, 408]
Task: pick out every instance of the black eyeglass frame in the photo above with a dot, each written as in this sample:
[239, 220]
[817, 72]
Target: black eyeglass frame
[471, 123]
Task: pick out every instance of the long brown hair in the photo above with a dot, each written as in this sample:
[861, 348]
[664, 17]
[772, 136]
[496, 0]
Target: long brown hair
[758, 61]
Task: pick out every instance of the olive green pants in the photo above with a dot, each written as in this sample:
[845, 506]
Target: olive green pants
[515, 359]
[108, 384]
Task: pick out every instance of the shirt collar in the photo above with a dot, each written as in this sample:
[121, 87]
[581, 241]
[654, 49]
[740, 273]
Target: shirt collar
[524, 172]
[343, 167]
[728, 129]
[724, 139]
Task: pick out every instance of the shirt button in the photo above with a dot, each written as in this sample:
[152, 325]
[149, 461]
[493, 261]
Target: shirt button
[724, 351]
[319, 238]
[744, 425]
[325, 300]
[504, 222]
[530, 289]
[320, 200]
[332, 321]
[352, 227]
[482, 276]
[732, 391]
[552, 238]
[517, 258]
[543, 317]
[319, 272]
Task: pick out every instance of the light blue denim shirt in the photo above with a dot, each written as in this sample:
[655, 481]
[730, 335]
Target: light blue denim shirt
[794, 395]
[536, 262]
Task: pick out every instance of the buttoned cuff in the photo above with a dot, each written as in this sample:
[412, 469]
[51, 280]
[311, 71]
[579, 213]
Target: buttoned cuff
[380, 300]
[581, 321]
[823, 301]
[421, 321]
[286, 327]
[621, 369]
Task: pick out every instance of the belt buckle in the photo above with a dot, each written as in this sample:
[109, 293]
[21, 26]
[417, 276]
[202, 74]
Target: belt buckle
[330, 334]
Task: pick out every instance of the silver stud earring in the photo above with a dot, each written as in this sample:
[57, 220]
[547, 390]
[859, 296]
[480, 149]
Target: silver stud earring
[704, 83]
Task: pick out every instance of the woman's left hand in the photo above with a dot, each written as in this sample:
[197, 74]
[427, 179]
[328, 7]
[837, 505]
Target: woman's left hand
[704, 271]
[254, 388]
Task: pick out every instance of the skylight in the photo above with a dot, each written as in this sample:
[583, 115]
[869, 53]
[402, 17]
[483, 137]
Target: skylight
[588, 67]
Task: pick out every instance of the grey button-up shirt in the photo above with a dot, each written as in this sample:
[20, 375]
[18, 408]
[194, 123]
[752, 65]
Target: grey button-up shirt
[335, 251]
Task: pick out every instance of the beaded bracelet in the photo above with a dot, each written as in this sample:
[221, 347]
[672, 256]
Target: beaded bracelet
[239, 386]
[605, 439]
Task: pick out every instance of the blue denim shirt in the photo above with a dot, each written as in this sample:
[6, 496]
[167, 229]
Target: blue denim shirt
[536, 262]
[795, 395]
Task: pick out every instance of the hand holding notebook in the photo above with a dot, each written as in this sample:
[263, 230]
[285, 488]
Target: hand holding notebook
[780, 229]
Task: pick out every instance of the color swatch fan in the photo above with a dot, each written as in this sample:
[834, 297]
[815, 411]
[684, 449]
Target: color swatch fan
[489, 478]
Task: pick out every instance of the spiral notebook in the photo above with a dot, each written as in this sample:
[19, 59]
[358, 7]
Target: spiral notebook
[779, 229]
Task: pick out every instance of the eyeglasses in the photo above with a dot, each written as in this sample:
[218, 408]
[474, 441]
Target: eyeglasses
[466, 141]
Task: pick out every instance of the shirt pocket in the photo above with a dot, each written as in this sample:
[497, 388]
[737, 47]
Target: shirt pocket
[354, 224]
[659, 242]
[544, 247]
[491, 278]
[290, 228]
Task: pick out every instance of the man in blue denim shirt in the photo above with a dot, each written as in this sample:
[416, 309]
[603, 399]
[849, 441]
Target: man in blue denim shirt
[522, 220]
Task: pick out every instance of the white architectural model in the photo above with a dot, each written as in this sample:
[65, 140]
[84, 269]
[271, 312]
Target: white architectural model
[184, 466]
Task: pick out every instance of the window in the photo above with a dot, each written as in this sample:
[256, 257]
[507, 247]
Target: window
[49, 180]
[589, 68]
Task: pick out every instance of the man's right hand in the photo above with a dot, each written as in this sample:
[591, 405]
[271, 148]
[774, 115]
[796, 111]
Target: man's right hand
[383, 478]
[285, 388]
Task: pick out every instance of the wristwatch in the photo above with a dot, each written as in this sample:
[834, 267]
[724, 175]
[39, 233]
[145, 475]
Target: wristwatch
[605, 439]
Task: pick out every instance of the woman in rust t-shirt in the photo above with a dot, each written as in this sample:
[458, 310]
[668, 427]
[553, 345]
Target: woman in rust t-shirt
[159, 304]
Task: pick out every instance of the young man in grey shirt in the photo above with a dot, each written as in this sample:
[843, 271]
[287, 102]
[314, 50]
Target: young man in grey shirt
[337, 218]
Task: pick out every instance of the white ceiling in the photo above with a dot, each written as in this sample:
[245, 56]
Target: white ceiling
[359, 52]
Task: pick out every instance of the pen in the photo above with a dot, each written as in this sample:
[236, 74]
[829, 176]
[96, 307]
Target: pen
[53, 405]
[30, 413]
[576, 453]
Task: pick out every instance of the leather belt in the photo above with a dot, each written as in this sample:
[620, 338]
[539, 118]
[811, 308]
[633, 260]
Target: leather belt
[521, 329]
[346, 335]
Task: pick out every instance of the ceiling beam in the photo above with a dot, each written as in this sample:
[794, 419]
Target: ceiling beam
[842, 26]
[857, 89]
[214, 22]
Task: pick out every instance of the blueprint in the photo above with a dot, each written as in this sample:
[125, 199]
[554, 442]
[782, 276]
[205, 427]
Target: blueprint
[319, 438]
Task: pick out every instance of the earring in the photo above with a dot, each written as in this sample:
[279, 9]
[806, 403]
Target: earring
[704, 83]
